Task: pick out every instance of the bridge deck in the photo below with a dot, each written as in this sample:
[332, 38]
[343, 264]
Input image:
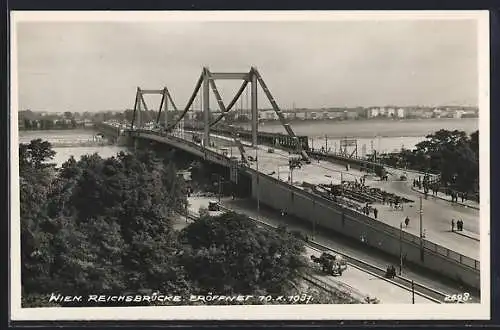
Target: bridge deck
[437, 213]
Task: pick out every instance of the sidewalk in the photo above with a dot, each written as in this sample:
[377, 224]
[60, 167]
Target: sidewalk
[338, 242]
[440, 195]
[468, 234]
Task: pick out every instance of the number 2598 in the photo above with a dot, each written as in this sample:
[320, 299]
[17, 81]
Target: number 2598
[457, 298]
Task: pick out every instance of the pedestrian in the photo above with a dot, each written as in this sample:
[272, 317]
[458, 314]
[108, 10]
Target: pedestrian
[390, 203]
[461, 225]
[407, 221]
[453, 224]
[375, 212]
[462, 195]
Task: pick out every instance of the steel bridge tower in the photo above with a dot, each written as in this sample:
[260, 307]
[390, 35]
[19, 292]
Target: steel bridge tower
[205, 82]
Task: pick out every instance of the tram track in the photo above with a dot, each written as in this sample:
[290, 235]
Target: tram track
[375, 271]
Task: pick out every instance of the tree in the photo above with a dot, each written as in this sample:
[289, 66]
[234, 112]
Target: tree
[474, 143]
[100, 225]
[452, 154]
[229, 254]
[35, 154]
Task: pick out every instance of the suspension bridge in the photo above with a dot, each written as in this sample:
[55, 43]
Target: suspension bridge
[281, 171]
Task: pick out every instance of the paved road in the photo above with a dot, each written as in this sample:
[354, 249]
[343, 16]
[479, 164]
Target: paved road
[357, 282]
[437, 213]
[339, 243]
[361, 283]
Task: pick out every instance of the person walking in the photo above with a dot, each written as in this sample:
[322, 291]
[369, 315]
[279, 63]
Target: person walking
[407, 221]
[453, 224]
[375, 212]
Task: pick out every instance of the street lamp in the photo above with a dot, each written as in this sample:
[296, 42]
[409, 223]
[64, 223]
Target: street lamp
[421, 232]
[400, 248]
[258, 177]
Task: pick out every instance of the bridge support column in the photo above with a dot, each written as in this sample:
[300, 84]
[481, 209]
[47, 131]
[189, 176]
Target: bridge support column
[206, 108]
[255, 112]
[165, 107]
[139, 106]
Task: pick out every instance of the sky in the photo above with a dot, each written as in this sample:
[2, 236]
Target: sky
[95, 66]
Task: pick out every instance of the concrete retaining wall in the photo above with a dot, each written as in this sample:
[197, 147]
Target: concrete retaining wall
[376, 234]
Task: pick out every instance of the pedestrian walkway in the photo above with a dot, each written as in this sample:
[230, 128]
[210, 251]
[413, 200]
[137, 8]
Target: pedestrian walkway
[338, 242]
[443, 196]
[469, 234]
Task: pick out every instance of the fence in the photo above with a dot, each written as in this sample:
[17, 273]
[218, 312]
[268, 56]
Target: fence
[375, 224]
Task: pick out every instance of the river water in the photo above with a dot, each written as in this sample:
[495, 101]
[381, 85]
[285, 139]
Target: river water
[79, 135]
[379, 135]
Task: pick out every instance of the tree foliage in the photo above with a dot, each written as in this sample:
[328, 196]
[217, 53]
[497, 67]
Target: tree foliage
[452, 154]
[101, 226]
[228, 254]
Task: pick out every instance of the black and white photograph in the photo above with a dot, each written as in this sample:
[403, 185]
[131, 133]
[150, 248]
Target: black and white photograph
[249, 165]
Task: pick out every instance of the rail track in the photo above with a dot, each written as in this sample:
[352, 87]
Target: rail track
[400, 281]
[317, 281]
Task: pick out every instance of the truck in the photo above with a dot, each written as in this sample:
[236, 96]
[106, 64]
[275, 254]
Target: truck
[196, 138]
[331, 264]
[214, 209]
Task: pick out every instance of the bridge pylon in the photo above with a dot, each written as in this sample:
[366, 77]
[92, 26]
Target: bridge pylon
[141, 108]
[205, 82]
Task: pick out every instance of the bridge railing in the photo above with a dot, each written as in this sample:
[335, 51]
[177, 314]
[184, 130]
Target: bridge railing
[371, 222]
[380, 226]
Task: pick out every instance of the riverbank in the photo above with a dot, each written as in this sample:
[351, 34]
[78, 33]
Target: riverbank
[372, 128]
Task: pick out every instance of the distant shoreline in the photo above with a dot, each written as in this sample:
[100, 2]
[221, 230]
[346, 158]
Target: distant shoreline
[371, 128]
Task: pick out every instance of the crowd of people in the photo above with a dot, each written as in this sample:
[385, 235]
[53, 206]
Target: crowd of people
[435, 187]
[459, 223]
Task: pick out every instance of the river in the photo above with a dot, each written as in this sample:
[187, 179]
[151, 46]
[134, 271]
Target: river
[379, 135]
[63, 154]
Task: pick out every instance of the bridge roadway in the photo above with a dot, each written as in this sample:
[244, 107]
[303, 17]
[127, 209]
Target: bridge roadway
[437, 213]
[359, 283]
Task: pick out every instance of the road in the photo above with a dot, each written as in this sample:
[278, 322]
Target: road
[356, 281]
[437, 213]
[340, 243]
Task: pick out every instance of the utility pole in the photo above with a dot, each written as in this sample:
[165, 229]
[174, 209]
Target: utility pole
[400, 248]
[421, 232]
[220, 187]
[258, 177]
[412, 292]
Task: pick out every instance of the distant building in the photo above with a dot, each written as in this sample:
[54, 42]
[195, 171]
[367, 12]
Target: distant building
[401, 112]
[458, 113]
[300, 115]
[350, 114]
[372, 112]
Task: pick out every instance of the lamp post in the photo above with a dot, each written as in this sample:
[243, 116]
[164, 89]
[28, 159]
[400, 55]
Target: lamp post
[412, 292]
[258, 177]
[220, 187]
[421, 232]
[400, 248]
